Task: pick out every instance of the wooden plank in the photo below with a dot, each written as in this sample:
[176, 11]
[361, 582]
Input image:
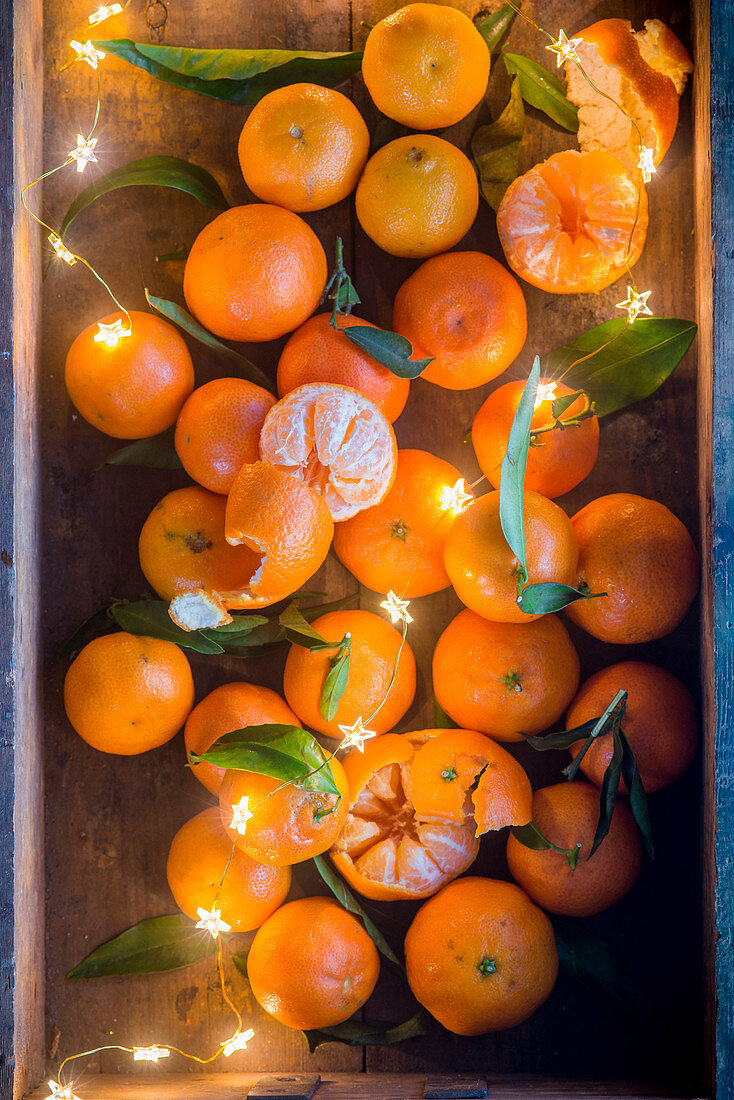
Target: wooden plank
[457, 1087]
[283, 1087]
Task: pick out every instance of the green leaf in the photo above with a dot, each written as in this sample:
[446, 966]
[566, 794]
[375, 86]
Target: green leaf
[178, 252]
[150, 618]
[530, 836]
[389, 348]
[151, 172]
[626, 362]
[561, 740]
[358, 1033]
[239, 959]
[285, 752]
[559, 405]
[157, 452]
[345, 897]
[496, 148]
[494, 27]
[637, 796]
[540, 599]
[164, 943]
[588, 958]
[608, 792]
[542, 89]
[441, 720]
[236, 76]
[608, 720]
[297, 628]
[512, 472]
[184, 320]
[336, 680]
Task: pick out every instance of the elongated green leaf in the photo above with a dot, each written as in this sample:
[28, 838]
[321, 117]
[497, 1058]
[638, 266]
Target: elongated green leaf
[298, 629]
[542, 89]
[358, 1033]
[494, 27]
[336, 681]
[179, 252]
[561, 740]
[157, 452]
[235, 76]
[629, 362]
[638, 798]
[150, 618]
[539, 599]
[588, 958]
[608, 792]
[345, 897]
[559, 405]
[164, 943]
[288, 753]
[441, 720]
[151, 172]
[239, 959]
[496, 148]
[389, 348]
[184, 320]
[530, 836]
[512, 472]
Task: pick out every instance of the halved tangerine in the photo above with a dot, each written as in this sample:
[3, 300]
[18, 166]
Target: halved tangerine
[334, 440]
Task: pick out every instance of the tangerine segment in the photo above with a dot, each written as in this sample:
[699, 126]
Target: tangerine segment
[387, 850]
[484, 570]
[461, 768]
[335, 441]
[289, 823]
[566, 226]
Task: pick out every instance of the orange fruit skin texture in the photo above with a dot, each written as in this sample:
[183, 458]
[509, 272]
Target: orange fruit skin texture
[284, 828]
[418, 196]
[197, 859]
[218, 430]
[254, 273]
[312, 964]
[482, 566]
[125, 694]
[227, 708]
[467, 312]
[375, 644]
[182, 548]
[399, 543]
[136, 388]
[426, 66]
[565, 225]
[303, 147]
[283, 519]
[505, 679]
[316, 352]
[660, 722]
[642, 556]
[566, 814]
[562, 458]
[474, 922]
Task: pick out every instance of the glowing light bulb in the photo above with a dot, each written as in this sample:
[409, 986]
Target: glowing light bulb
[104, 12]
[565, 49]
[61, 250]
[150, 1054]
[635, 303]
[241, 814]
[61, 1092]
[84, 152]
[453, 498]
[355, 736]
[239, 1041]
[396, 608]
[110, 335]
[646, 163]
[212, 921]
[546, 392]
[85, 51]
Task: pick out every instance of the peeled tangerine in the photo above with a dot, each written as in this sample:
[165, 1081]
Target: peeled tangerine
[334, 440]
[417, 804]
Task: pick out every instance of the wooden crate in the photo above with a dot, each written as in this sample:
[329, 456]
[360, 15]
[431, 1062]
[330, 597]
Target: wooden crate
[68, 543]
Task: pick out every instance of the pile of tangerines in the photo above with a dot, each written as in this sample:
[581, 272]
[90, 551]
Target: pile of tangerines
[278, 482]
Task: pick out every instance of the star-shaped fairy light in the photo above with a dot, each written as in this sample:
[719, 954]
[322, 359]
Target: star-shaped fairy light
[85, 51]
[646, 163]
[635, 303]
[454, 498]
[104, 12]
[546, 392]
[241, 814]
[84, 152]
[61, 250]
[110, 335]
[565, 49]
[212, 921]
[150, 1054]
[354, 737]
[61, 1092]
[239, 1041]
[396, 608]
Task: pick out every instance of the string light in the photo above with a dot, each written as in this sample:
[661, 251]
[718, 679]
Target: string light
[354, 737]
[61, 250]
[110, 335]
[104, 12]
[546, 392]
[239, 1041]
[635, 303]
[565, 49]
[646, 163]
[61, 1092]
[85, 51]
[241, 814]
[454, 498]
[150, 1054]
[84, 152]
[396, 608]
[211, 920]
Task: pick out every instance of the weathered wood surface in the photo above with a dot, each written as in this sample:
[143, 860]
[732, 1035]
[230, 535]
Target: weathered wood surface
[109, 820]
